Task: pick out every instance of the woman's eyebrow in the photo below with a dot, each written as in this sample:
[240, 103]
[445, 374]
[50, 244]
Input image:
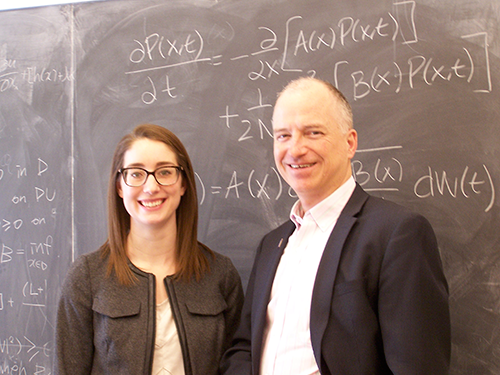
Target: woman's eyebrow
[158, 164]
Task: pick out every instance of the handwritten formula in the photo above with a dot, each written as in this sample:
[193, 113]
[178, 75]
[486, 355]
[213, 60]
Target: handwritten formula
[29, 247]
[295, 42]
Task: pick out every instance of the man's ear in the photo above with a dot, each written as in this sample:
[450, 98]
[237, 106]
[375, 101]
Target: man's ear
[352, 142]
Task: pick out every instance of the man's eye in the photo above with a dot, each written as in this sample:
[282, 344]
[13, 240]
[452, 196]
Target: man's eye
[315, 133]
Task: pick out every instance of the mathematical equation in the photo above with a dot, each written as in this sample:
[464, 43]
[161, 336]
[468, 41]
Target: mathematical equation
[158, 52]
[33, 294]
[35, 249]
[385, 174]
[418, 69]
[40, 194]
[381, 173]
[11, 75]
[27, 248]
[13, 348]
[247, 124]
[26, 242]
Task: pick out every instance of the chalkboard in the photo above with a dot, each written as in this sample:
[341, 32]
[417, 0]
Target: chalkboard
[422, 77]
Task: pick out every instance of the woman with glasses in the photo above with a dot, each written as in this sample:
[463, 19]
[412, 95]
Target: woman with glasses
[152, 299]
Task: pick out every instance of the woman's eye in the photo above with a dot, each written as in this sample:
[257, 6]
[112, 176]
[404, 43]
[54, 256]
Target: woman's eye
[136, 174]
[165, 172]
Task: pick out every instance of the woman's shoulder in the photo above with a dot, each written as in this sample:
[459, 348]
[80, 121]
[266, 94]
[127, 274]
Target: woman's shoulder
[217, 261]
[220, 271]
[86, 266]
[93, 260]
[220, 279]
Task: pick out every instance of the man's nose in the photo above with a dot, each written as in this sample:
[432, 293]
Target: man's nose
[297, 146]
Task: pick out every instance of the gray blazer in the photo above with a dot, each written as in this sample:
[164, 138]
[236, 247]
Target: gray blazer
[104, 327]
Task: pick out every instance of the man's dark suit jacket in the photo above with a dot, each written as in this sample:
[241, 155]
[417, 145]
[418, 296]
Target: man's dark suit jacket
[380, 299]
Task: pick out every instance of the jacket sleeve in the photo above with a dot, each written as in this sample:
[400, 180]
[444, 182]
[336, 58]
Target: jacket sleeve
[74, 329]
[413, 301]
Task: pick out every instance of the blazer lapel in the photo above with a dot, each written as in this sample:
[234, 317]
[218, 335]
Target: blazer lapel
[327, 270]
[271, 251]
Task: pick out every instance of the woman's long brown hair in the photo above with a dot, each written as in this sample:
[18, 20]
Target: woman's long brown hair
[192, 262]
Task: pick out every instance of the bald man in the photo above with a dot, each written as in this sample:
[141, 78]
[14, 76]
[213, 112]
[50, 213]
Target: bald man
[351, 284]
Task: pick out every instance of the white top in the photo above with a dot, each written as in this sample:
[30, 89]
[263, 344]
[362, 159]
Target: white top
[167, 358]
[287, 347]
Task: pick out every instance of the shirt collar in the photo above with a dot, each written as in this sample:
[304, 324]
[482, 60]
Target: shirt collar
[328, 210]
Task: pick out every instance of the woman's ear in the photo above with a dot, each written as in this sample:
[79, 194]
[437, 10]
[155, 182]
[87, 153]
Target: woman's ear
[119, 188]
[183, 187]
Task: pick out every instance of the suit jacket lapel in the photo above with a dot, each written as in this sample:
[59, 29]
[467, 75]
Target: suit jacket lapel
[272, 249]
[327, 270]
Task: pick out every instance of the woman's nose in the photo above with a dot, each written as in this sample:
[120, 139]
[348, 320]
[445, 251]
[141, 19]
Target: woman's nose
[151, 185]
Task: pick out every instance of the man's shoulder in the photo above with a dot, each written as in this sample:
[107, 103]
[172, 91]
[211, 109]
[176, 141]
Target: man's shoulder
[382, 213]
[373, 203]
[389, 207]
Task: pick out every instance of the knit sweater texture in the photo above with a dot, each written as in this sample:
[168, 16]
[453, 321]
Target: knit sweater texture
[104, 327]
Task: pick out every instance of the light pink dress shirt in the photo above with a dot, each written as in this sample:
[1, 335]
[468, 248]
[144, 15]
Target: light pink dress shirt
[287, 347]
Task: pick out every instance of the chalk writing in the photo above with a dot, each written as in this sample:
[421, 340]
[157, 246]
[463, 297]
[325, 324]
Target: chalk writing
[33, 75]
[21, 171]
[386, 170]
[483, 36]
[16, 224]
[8, 81]
[386, 174]
[265, 129]
[348, 29]
[38, 264]
[12, 74]
[40, 193]
[18, 199]
[30, 289]
[399, 26]
[15, 346]
[5, 163]
[42, 248]
[26, 250]
[470, 183]
[155, 47]
[269, 186]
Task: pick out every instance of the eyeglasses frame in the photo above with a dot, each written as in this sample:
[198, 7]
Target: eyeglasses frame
[149, 173]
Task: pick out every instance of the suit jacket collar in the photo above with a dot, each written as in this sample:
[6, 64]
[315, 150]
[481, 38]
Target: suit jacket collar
[272, 250]
[327, 270]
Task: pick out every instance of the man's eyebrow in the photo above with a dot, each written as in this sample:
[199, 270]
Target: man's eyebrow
[276, 130]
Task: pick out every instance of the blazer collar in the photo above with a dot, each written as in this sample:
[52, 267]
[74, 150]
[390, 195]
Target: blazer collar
[272, 249]
[327, 270]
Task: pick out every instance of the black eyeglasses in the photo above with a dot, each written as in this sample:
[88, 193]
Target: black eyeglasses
[136, 176]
